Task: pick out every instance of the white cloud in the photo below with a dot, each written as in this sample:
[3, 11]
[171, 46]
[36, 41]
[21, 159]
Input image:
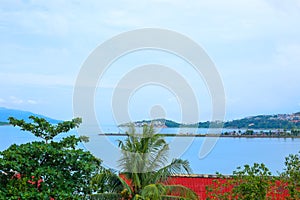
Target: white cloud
[13, 100]
[30, 101]
[23, 79]
[16, 100]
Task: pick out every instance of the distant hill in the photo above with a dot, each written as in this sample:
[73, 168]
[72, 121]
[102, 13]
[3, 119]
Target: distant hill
[156, 123]
[5, 113]
[278, 121]
[3, 123]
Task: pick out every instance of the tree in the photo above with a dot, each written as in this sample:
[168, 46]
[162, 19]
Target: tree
[107, 181]
[107, 185]
[250, 183]
[46, 169]
[43, 129]
[291, 175]
[295, 132]
[143, 163]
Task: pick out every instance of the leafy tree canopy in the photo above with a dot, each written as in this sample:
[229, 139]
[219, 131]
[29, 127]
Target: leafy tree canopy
[292, 175]
[250, 183]
[46, 169]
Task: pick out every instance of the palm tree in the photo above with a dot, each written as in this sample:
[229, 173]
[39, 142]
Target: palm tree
[143, 163]
[106, 181]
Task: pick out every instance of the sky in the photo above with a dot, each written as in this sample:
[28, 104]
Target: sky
[254, 44]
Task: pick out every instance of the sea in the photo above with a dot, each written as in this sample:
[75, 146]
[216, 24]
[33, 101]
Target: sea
[206, 155]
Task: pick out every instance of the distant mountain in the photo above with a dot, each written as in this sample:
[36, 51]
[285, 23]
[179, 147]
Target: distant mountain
[278, 121]
[5, 113]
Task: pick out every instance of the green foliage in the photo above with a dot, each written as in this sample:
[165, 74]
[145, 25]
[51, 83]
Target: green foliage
[249, 132]
[256, 182]
[143, 162]
[171, 124]
[157, 122]
[106, 196]
[250, 183]
[262, 122]
[160, 191]
[153, 191]
[144, 152]
[292, 175]
[107, 181]
[178, 192]
[55, 169]
[43, 129]
[3, 123]
[281, 121]
[295, 132]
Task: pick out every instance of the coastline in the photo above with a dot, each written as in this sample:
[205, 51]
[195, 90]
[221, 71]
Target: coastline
[4, 124]
[206, 135]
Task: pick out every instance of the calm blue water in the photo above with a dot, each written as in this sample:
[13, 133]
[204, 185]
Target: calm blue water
[227, 154]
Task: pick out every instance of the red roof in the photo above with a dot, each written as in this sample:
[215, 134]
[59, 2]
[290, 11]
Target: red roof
[199, 183]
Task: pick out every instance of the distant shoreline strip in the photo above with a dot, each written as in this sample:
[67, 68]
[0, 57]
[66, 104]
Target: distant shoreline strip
[206, 135]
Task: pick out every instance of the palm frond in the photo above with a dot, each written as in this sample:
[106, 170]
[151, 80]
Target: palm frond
[144, 158]
[153, 191]
[106, 181]
[180, 191]
[177, 166]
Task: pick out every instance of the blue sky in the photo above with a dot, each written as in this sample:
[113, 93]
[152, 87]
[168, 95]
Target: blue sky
[255, 45]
